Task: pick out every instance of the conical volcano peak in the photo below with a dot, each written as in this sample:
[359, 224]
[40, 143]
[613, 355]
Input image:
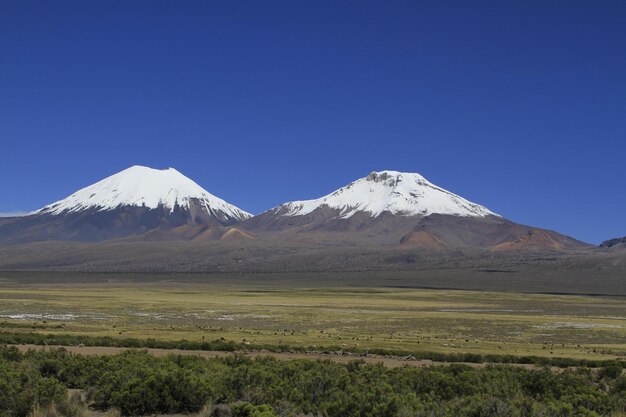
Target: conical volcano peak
[399, 193]
[141, 186]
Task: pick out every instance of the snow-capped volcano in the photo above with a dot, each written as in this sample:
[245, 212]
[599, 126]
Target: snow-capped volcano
[386, 208]
[151, 204]
[140, 186]
[398, 208]
[399, 193]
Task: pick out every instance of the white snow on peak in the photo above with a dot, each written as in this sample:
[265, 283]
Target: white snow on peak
[142, 186]
[395, 192]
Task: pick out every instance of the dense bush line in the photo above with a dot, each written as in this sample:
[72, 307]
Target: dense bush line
[229, 346]
[137, 383]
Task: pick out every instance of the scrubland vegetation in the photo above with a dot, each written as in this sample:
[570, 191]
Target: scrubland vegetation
[581, 341]
[220, 345]
[136, 383]
[398, 321]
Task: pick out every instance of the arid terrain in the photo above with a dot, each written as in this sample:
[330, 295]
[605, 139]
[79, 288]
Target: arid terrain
[317, 312]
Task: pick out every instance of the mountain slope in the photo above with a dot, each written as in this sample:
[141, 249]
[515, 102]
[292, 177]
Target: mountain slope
[617, 243]
[406, 194]
[140, 186]
[385, 209]
[367, 200]
[391, 207]
[131, 202]
[492, 233]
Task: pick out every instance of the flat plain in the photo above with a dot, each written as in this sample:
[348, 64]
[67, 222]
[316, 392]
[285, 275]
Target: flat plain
[327, 314]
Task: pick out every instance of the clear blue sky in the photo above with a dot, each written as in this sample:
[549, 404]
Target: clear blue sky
[520, 106]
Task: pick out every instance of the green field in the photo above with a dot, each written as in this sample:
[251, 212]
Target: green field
[318, 318]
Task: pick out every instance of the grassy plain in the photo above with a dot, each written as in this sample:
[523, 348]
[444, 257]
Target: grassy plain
[318, 318]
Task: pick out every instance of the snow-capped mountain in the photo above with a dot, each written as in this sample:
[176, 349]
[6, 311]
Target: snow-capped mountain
[397, 208]
[140, 186]
[383, 209]
[400, 193]
[132, 202]
[370, 200]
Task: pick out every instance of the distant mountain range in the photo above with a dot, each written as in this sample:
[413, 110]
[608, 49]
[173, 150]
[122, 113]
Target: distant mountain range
[618, 243]
[386, 208]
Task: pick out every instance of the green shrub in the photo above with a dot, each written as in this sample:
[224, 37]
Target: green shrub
[249, 410]
[137, 383]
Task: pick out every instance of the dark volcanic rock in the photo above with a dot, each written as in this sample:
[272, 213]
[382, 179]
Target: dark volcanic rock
[93, 225]
[619, 242]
